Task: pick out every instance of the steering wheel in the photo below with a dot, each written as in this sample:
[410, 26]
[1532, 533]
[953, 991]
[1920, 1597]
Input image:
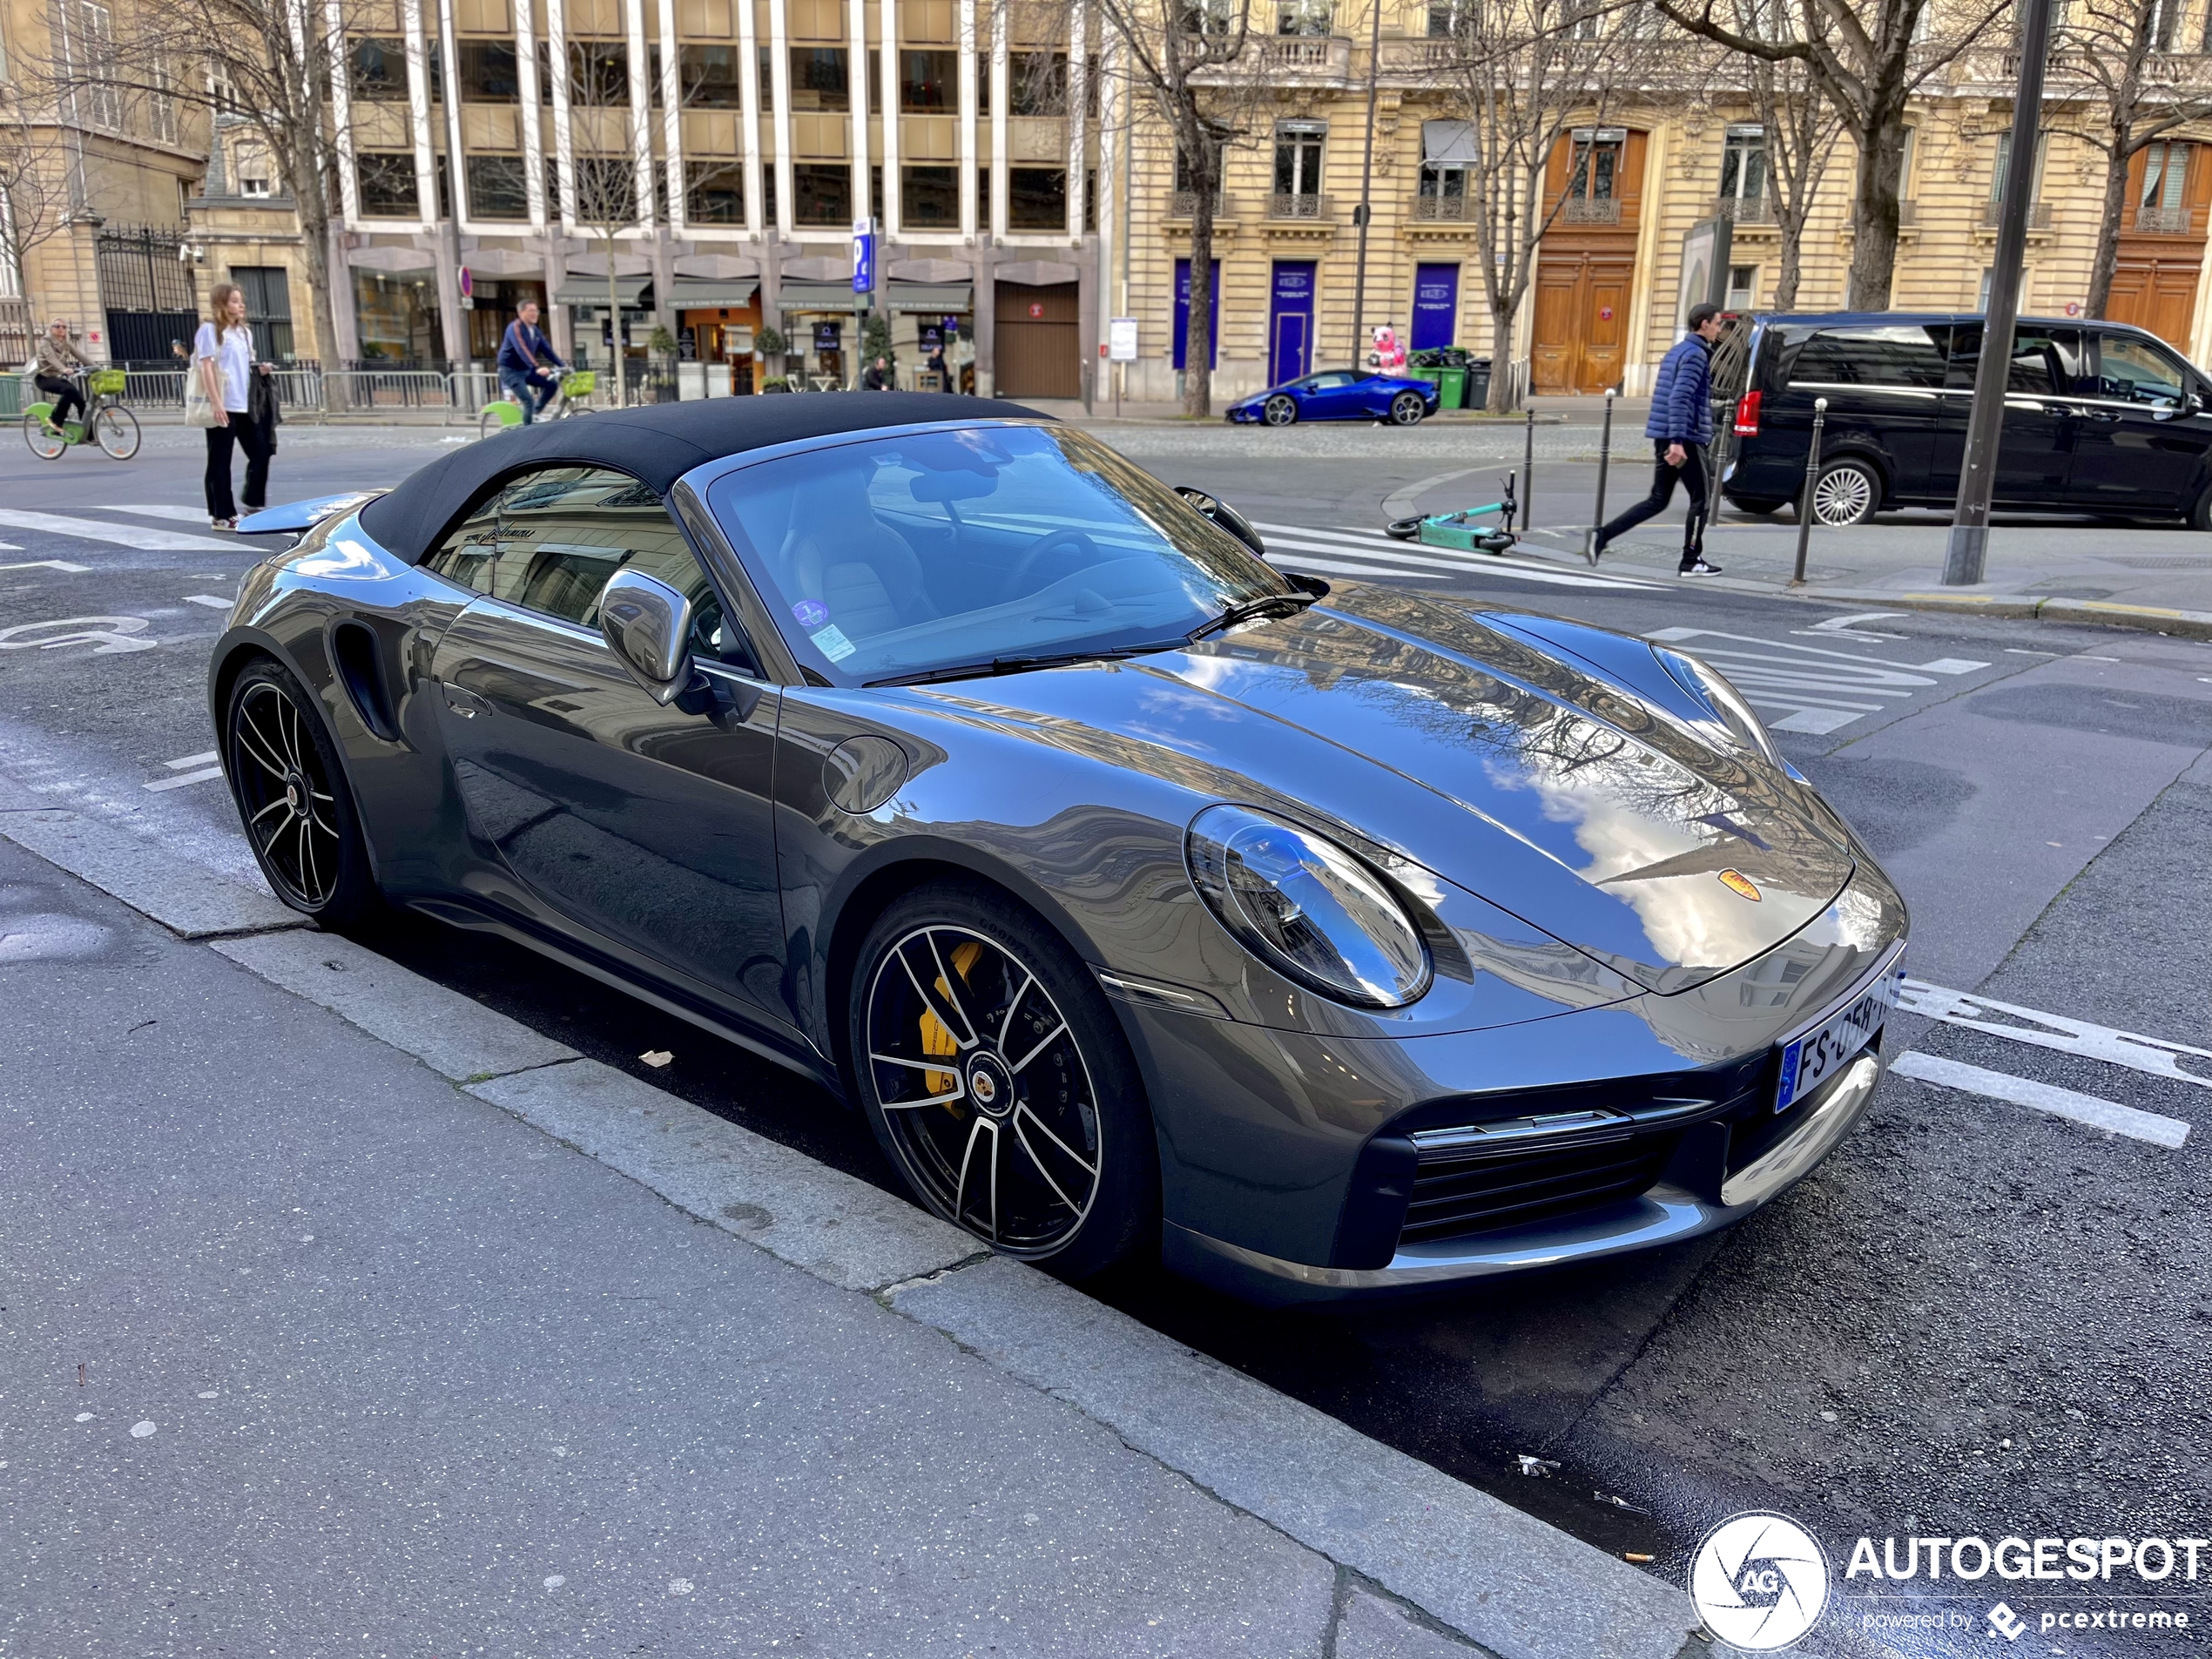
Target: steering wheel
[1012, 587]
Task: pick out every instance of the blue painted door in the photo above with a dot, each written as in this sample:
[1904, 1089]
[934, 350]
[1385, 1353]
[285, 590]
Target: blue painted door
[1183, 313]
[1436, 306]
[1290, 320]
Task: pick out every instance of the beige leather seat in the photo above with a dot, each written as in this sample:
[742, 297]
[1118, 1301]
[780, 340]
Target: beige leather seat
[858, 566]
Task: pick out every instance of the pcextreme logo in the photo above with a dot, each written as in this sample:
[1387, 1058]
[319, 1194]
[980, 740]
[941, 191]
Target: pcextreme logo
[1759, 1582]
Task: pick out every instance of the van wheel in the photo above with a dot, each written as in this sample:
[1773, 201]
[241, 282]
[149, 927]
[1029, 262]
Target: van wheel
[1847, 492]
[2200, 515]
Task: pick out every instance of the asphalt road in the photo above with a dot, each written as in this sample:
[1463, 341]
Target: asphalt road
[1981, 1316]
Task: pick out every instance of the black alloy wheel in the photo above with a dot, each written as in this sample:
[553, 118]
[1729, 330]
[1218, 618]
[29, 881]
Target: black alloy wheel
[996, 1079]
[1407, 408]
[294, 799]
[1279, 410]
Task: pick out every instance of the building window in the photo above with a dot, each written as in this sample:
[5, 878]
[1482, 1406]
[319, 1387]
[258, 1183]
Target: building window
[2163, 204]
[821, 194]
[1450, 19]
[1036, 199]
[379, 71]
[606, 190]
[1303, 16]
[714, 192]
[1298, 168]
[387, 182]
[488, 72]
[102, 103]
[268, 306]
[1743, 164]
[1036, 83]
[710, 77]
[929, 198]
[2004, 162]
[1597, 165]
[1743, 287]
[928, 81]
[819, 79]
[1185, 194]
[161, 108]
[2165, 17]
[598, 72]
[498, 188]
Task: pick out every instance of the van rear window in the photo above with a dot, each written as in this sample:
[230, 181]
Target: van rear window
[1890, 355]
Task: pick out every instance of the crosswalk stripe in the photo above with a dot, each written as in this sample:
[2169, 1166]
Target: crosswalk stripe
[1492, 563]
[182, 515]
[141, 536]
[1442, 558]
[2096, 1112]
[2158, 1056]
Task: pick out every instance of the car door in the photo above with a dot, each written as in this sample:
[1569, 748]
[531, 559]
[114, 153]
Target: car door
[1883, 384]
[651, 826]
[1331, 396]
[2036, 452]
[2140, 445]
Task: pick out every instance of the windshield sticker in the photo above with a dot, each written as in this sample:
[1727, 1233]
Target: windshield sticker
[812, 613]
[832, 643]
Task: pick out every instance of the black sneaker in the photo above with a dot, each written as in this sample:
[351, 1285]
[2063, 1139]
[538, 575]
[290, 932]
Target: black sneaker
[1700, 568]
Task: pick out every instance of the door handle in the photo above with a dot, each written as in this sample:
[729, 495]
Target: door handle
[463, 701]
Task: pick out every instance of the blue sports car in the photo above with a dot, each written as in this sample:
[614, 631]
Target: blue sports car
[1340, 394]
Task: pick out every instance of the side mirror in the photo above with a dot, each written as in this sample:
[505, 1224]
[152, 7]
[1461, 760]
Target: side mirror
[1226, 516]
[648, 624]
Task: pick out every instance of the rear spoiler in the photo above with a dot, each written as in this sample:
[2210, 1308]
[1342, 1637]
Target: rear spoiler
[295, 518]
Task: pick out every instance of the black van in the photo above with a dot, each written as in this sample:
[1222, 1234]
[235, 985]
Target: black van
[2100, 418]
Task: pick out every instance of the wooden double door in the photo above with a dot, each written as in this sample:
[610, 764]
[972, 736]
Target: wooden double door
[1582, 323]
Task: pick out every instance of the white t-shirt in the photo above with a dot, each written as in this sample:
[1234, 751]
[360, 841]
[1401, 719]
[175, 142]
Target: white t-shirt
[234, 361]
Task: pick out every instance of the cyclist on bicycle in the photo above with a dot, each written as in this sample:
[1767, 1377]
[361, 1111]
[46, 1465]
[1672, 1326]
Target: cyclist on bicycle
[526, 360]
[59, 363]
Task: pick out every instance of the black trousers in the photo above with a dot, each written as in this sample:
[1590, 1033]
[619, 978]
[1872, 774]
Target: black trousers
[1691, 473]
[65, 396]
[248, 436]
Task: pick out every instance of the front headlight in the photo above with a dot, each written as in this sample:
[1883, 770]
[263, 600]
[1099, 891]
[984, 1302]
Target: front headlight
[1705, 683]
[1308, 908]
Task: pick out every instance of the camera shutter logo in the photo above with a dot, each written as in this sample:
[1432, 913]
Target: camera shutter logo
[1759, 1582]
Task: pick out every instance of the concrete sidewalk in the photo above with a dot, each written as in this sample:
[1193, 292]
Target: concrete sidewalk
[345, 1315]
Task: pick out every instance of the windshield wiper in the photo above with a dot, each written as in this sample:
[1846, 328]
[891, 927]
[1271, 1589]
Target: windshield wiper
[1023, 665]
[1251, 610]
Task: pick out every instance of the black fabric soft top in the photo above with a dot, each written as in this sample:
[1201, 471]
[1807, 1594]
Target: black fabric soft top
[658, 445]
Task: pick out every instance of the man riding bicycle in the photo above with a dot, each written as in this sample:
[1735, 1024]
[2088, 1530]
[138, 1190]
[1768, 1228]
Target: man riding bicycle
[58, 362]
[526, 363]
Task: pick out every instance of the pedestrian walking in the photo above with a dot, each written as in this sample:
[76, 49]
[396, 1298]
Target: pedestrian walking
[935, 364]
[877, 377]
[1680, 425]
[223, 358]
[526, 363]
[59, 363]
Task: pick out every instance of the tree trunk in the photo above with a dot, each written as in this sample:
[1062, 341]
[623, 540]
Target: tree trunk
[2108, 227]
[1500, 399]
[1197, 337]
[1791, 229]
[1874, 208]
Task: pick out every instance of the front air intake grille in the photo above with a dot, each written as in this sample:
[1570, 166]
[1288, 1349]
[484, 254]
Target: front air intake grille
[1454, 1195]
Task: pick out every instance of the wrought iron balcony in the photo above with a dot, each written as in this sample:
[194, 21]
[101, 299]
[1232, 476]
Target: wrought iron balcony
[2039, 215]
[2164, 221]
[1745, 210]
[1302, 204]
[1579, 209]
[1442, 209]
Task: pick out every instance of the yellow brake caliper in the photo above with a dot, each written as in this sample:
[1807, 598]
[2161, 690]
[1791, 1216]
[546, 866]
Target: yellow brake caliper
[936, 1036]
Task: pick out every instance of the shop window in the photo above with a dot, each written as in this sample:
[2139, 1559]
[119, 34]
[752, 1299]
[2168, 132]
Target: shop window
[710, 77]
[819, 79]
[387, 181]
[714, 192]
[822, 194]
[488, 72]
[929, 198]
[497, 187]
[928, 81]
[1037, 199]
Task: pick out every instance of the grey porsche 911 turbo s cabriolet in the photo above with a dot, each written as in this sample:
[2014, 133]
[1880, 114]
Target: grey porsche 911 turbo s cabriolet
[1327, 939]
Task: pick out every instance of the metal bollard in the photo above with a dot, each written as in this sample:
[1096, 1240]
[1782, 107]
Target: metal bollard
[1528, 477]
[1604, 458]
[1812, 477]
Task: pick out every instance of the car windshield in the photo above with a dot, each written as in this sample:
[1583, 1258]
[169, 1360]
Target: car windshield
[900, 554]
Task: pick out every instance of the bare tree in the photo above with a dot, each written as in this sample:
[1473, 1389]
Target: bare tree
[1196, 63]
[2122, 55]
[1526, 73]
[1799, 128]
[1867, 57]
[39, 192]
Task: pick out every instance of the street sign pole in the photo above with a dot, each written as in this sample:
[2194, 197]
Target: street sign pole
[863, 292]
[1967, 549]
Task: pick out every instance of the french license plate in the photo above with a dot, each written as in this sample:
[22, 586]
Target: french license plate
[1811, 1060]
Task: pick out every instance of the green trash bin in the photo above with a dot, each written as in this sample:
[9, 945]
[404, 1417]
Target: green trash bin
[1451, 387]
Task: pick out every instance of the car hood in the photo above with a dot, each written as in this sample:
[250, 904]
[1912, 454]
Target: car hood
[1552, 793]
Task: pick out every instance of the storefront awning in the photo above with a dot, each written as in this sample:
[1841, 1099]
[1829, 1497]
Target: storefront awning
[819, 296]
[702, 293]
[582, 289]
[936, 299]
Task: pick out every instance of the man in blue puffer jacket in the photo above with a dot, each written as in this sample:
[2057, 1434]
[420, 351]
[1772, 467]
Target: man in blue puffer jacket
[1679, 427]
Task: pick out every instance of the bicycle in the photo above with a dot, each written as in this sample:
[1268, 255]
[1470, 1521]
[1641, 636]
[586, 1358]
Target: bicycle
[504, 413]
[107, 422]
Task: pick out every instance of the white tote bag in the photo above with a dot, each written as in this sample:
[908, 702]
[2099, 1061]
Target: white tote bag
[200, 408]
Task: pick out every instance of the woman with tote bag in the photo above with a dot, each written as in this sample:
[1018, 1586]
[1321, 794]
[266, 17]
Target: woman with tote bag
[223, 367]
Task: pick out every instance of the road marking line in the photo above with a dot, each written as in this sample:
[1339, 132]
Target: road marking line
[1941, 665]
[2168, 1132]
[1470, 566]
[212, 601]
[181, 515]
[1951, 665]
[2153, 1056]
[63, 565]
[200, 777]
[1362, 540]
[1815, 722]
[1843, 625]
[192, 760]
[134, 536]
